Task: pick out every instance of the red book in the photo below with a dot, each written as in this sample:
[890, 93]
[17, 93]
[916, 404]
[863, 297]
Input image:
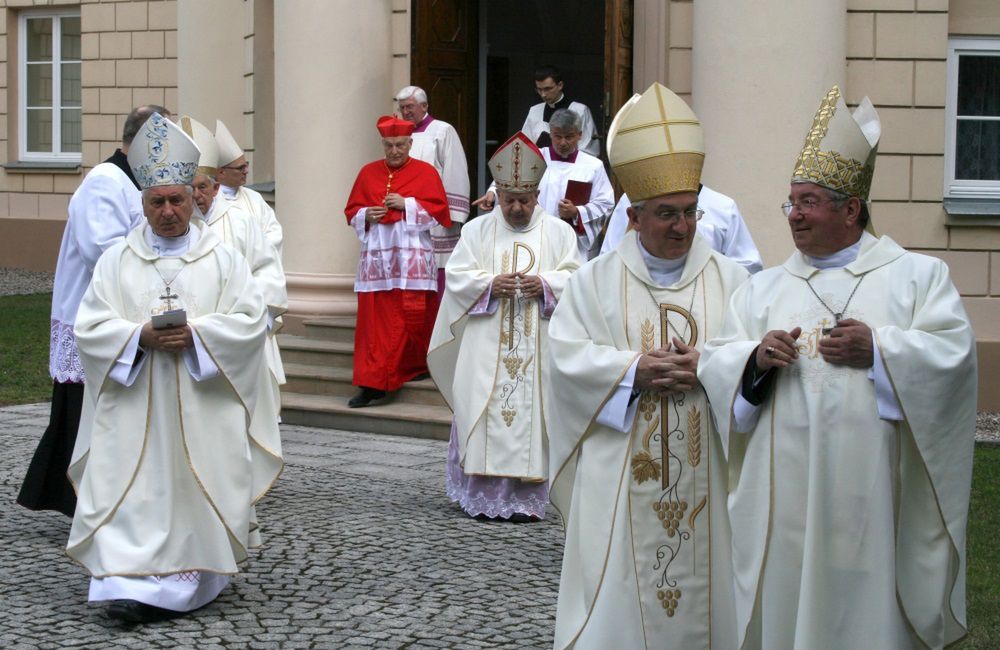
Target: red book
[578, 192]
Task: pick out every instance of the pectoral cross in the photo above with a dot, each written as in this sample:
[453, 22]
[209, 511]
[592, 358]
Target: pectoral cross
[168, 297]
[665, 309]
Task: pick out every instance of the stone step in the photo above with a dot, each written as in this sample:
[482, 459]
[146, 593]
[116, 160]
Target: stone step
[331, 329]
[335, 380]
[318, 352]
[393, 417]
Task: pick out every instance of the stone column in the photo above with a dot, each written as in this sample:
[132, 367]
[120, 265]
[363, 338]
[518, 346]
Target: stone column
[333, 78]
[760, 70]
[210, 63]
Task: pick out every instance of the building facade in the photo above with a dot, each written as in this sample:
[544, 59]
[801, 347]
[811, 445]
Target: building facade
[300, 83]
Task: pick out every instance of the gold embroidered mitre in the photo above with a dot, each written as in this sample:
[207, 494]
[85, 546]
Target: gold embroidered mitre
[655, 145]
[517, 165]
[208, 163]
[840, 148]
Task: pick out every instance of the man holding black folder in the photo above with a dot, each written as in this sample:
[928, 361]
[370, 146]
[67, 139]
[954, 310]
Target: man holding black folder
[575, 186]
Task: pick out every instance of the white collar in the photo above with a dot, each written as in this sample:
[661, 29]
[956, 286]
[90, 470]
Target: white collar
[172, 246]
[840, 259]
[230, 192]
[665, 272]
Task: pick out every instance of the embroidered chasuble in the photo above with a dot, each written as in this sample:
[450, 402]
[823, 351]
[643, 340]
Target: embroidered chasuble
[166, 468]
[487, 366]
[646, 562]
[849, 529]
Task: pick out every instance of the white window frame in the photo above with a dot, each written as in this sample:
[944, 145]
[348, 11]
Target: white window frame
[56, 155]
[964, 188]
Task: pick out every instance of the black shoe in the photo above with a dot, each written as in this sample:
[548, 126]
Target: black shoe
[422, 376]
[521, 518]
[365, 397]
[132, 611]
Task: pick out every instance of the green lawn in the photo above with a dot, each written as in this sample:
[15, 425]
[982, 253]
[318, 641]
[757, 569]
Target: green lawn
[24, 379]
[24, 349]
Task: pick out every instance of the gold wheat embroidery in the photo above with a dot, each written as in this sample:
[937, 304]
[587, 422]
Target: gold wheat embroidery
[505, 262]
[646, 332]
[529, 317]
[694, 436]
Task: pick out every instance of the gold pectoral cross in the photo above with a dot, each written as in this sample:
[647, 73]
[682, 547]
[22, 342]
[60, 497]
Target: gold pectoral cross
[512, 301]
[665, 309]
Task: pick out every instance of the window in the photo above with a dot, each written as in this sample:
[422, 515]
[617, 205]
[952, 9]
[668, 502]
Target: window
[49, 86]
[972, 134]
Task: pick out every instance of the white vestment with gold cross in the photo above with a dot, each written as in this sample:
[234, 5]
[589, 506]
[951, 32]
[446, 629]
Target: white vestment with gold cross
[646, 563]
[488, 366]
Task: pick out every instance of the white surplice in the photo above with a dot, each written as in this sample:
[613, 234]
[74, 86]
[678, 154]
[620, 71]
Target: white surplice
[594, 213]
[722, 226]
[848, 527]
[253, 203]
[437, 143]
[490, 375]
[646, 563]
[105, 207]
[165, 469]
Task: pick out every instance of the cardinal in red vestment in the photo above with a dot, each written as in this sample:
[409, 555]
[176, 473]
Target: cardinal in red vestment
[393, 205]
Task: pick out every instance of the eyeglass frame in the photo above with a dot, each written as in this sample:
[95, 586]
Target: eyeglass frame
[245, 167]
[810, 205]
[672, 217]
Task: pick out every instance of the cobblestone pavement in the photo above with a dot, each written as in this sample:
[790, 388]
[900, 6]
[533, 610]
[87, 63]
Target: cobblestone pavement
[361, 550]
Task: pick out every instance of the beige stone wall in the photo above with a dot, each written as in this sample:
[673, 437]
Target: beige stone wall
[896, 56]
[129, 52]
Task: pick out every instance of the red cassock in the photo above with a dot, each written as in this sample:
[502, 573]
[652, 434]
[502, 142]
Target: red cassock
[394, 326]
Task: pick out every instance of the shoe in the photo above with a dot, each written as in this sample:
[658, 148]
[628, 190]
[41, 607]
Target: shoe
[365, 397]
[422, 376]
[132, 611]
[521, 518]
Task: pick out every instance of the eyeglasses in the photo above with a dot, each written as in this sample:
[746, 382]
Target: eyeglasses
[674, 216]
[242, 168]
[804, 206]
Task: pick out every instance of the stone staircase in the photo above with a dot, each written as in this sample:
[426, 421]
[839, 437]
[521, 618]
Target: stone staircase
[318, 367]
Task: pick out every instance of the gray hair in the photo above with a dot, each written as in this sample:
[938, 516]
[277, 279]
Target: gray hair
[840, 199]
[416, 92]
[145, 190]
[137, 118]
[565, 120]
[638, 205]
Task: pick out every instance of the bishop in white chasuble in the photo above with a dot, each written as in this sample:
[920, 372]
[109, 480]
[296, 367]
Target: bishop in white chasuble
[646, 563]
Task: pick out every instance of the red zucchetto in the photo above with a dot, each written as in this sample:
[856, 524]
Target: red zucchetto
[390, 126]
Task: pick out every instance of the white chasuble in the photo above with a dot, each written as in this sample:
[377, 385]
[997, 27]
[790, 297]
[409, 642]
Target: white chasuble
[646, 563]
[165, 469]
[848, 529]
[487, 366]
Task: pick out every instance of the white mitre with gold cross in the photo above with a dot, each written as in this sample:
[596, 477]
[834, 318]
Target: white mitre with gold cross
[840, 148]
[517, 165]
[208, 163]
[655, 145]
[162, 154]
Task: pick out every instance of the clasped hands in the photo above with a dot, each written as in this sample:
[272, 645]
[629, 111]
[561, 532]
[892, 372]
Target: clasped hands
[393, 201]
[670, 369]
[567, 211]
[174, 339]
[848, 344]
[508, 284]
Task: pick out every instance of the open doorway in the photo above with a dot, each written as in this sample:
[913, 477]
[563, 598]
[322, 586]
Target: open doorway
[517, 36]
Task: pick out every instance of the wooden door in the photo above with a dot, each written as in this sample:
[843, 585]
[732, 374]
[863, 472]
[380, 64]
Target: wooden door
[617, 57]
[445, 63]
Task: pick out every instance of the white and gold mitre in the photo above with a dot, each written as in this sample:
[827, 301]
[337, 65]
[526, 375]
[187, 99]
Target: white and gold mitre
[208, 163]
[162, 154]
[655, 145]
[518, 165]
[840, 148]
[229, 149]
